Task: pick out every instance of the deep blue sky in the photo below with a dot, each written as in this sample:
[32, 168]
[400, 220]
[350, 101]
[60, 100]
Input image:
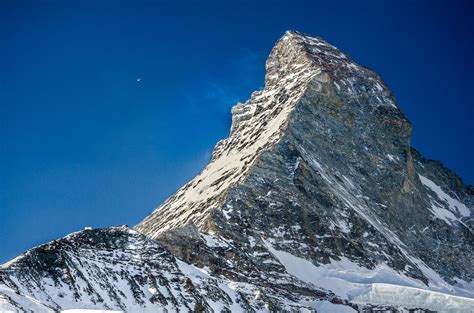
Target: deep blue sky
[83, 143]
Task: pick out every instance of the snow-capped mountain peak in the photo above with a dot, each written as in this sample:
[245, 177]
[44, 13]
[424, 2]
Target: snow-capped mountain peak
[315, 202]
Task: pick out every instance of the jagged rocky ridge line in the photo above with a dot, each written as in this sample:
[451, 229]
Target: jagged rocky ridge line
[121, 269]
[316, 201]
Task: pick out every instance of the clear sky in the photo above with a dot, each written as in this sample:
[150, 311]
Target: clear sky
[83, 143]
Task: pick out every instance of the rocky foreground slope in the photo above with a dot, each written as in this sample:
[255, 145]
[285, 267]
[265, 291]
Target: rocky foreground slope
[315, 202]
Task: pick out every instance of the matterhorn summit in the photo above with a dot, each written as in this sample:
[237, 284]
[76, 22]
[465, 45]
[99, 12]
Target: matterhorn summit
[316, 202]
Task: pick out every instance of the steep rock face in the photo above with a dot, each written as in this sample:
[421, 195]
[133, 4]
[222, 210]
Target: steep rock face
[294, 63]
[316, 201]
[337, 180]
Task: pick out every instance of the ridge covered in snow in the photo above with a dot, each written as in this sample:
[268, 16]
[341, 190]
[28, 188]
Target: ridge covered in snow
[119, 270]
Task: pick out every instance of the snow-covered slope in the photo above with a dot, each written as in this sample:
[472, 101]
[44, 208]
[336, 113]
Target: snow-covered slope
[381, 285]
[315, 202]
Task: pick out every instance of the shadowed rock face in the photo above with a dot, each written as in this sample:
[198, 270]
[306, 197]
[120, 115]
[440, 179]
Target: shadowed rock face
[315, 201]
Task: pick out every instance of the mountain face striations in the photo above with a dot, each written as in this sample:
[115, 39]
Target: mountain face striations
[316, 202]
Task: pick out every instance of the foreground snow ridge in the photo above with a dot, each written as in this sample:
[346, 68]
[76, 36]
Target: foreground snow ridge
[381, 286]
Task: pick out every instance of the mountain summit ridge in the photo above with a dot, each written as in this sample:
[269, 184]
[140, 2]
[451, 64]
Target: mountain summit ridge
[315, 202]
[329, 59]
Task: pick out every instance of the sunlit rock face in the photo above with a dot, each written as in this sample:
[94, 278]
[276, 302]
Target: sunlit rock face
[316, 201]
